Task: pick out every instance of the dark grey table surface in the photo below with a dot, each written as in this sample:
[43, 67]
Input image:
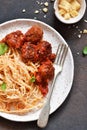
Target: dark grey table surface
[72, 115]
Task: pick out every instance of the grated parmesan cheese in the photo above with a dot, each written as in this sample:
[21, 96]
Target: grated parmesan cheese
[45, 10]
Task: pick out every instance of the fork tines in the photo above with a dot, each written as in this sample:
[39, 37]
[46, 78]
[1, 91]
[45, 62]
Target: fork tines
[61, 54]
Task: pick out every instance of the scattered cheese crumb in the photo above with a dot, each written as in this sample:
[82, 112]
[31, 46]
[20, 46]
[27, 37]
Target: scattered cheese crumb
[79, 36]
[45, 10]
[38, 2]
[35, 18]
[78, 53]
[85, 20]
[23, 10]
[46, 4]
[45, 16]
[80, 31]
[41, 3]
[85, 31]
[36, 11]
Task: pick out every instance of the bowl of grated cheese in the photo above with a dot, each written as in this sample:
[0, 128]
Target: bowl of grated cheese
[69, 11]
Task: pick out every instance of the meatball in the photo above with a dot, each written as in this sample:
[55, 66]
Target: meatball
[43, 50]
[14, 39]
[34, 34]
[45, 72]
[28, 52]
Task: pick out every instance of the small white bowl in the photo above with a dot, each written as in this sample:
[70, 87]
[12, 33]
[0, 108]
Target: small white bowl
[71, 20]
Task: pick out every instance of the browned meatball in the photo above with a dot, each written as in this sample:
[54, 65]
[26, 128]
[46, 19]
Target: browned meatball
[28, 52]
[45, 71]
[43, 50]
[44, 74]
[14, 39]
[34, 34]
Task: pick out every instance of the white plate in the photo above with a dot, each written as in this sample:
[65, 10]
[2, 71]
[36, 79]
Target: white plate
[65, 79]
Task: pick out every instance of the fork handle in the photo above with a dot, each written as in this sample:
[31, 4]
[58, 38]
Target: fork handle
[44, 115]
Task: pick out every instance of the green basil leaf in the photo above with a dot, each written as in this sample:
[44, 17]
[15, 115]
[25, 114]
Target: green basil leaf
[3, 86]
[3, 48]
[84, 51]
[32, 79]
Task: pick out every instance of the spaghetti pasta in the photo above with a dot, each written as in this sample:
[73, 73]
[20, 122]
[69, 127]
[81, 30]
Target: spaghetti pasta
[20, 95]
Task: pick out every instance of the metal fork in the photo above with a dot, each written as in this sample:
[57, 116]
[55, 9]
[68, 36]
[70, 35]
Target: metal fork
[59, 62]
